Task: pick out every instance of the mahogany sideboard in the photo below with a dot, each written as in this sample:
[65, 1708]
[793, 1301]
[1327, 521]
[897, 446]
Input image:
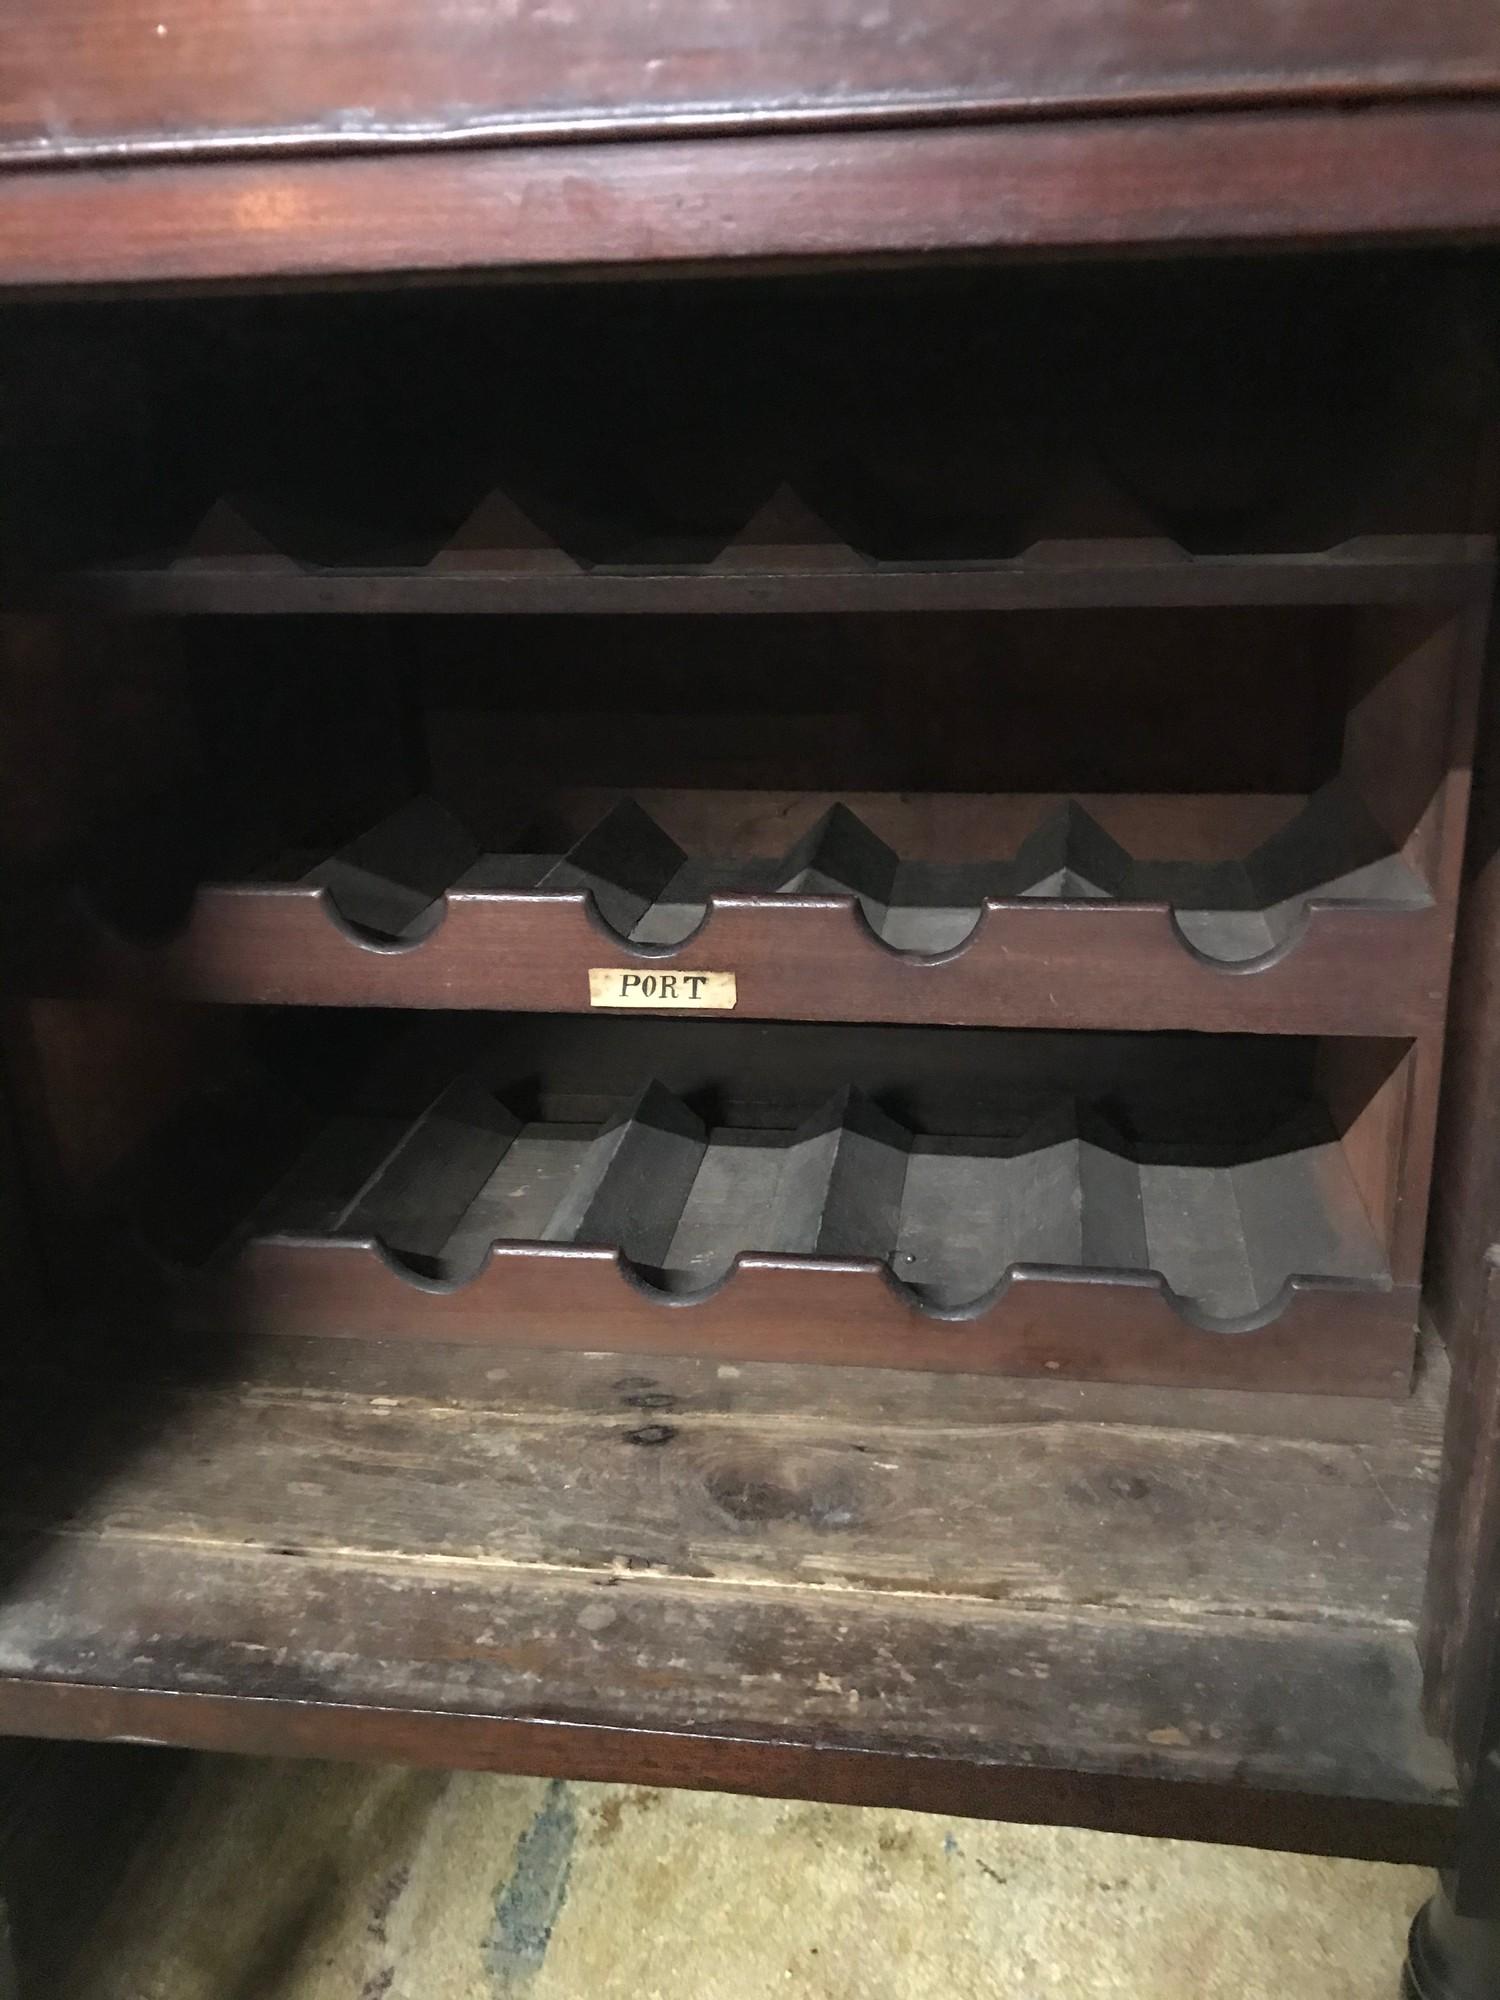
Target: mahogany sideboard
[748, 823]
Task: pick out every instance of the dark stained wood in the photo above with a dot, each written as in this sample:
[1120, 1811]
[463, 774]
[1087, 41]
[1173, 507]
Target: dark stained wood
[1139, 1210]
[70, 688]
[1462, 1623]
[303, 745]
[532, 1384]
[1325, 1336]
[1382, 1095]
[1211, 1635]
[839, 709]
[107, 79]
[1197, 828]
[929, 416]
[92, 1081]
[1409, 753]
[1348, 968]
[20, 1272]
[1467, 1216]
[1363, 1780]
[1375, 570]
[1060, 431]
[1459, 1630]
[1123, 1601]
[1401, 175]
[1408, 748]
[1035, 1497]
[1345, 946]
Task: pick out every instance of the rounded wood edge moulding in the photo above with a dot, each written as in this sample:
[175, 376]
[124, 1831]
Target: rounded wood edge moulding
[1291, 178]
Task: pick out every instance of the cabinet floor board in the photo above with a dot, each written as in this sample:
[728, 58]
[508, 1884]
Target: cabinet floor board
[866, 1609]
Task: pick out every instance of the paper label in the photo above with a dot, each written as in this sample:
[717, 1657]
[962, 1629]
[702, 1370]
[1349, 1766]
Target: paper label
[632, 986]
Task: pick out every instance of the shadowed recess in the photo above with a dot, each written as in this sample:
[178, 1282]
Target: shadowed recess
[1225, 1205]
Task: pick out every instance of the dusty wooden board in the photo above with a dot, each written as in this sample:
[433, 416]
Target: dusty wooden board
[1045, 1515]
[697, 1578]
[109, 79]
[1272, 1731]
[842, 1400]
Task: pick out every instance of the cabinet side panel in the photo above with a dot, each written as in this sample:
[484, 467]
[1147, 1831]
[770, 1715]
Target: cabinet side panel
[20, 1280]
[1463, 1287]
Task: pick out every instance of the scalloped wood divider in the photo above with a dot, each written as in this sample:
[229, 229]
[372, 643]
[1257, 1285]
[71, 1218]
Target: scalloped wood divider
[784, 559]
[1050, 1246]
[1321, 929]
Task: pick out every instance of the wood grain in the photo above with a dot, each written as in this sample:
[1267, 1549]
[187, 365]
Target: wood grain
[1292, 178]
[1297, 1741]
[1033, 1511]
[1349, 970]
[1462, 1624]
[1178, 1630]
[1324, 1336]
[110, 79]
[1460, 1637]
[1211, 1634]
[533, 1385]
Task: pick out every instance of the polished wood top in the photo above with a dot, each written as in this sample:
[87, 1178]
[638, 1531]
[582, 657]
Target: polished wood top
[89, 80]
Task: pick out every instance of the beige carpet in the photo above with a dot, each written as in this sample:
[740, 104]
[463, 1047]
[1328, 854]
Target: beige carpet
[281, 1881]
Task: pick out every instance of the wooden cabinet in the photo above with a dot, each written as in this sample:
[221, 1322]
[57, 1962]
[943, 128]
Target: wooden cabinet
[726, 997]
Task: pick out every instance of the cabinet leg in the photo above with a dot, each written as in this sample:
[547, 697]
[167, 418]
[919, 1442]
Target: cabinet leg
[1452, 1957]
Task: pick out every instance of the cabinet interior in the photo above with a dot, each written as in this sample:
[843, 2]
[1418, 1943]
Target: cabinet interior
[1047, 697]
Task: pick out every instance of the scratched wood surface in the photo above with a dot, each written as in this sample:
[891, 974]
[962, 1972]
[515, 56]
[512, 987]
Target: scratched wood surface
[1405, 174]
[736, 1577]
[112, 79]
[1044, 1514]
